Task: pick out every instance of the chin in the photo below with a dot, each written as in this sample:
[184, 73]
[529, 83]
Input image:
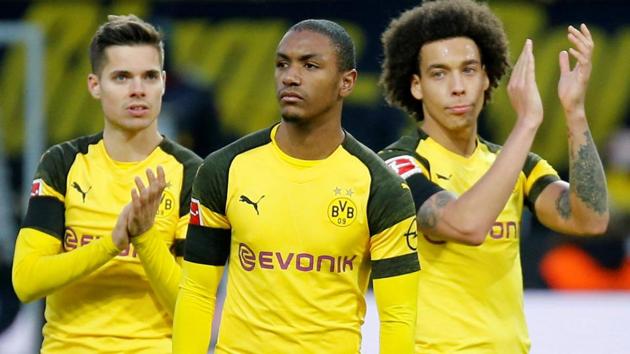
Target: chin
[291, 117]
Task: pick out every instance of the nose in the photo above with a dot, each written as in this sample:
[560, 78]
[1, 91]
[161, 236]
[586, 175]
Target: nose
[457, 85]
[291, 76]
[137, 88]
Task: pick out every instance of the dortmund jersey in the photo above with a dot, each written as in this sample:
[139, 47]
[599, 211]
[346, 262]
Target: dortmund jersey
[304, 237]
[470, 299]
[113, 309]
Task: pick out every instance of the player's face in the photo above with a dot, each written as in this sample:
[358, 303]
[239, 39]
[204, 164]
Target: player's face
[309, 84]
[130, 87]
[451, 83]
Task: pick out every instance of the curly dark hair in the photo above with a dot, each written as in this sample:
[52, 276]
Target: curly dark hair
[433, 21]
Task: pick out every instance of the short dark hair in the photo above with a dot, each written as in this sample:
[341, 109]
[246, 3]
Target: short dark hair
[123, 30]
[432, 21]
[344, 47]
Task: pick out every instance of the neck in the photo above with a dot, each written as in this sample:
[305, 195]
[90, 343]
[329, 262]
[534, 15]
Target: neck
[127, 146]
[309, 141]
[461, 141]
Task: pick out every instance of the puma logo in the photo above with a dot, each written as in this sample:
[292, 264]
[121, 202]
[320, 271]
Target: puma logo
[76, 186]
[244, 199]
[443, 177]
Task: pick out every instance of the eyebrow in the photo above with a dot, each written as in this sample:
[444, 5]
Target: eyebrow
[304, 57]
[444, 66]
[127, 72]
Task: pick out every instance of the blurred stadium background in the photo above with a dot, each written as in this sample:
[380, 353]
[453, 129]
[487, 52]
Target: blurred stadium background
[220, 86]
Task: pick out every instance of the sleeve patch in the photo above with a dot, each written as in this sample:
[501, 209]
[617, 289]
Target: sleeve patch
[195, 212]
[36, 187]
[404, 165]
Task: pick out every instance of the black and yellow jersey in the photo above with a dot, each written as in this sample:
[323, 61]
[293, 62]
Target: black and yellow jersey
[303, 237]
[470, 299]
[76, 198]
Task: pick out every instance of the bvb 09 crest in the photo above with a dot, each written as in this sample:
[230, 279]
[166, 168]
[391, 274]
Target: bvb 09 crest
[167, 204]
[342, 211]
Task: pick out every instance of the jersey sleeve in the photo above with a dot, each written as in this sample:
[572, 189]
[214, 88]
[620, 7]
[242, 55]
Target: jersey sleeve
[39, 265]
[393, 229]
[206, 252]
[409, 166]
[538, 175]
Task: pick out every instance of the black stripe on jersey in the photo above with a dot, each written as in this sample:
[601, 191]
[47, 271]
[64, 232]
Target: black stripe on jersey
[530, 162]
[191, 163]
[56, 162]
[207, 245]
[391, 267]
[178, 247]
[421, 189]
[211, 182]
[389, 203]
[537, 188]
[46, 214]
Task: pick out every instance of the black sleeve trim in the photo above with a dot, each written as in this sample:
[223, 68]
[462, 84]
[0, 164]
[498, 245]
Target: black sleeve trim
[421, 189]
[46, 214]
[207, 245]
[537, 188]
[178, 247]
[391, 267]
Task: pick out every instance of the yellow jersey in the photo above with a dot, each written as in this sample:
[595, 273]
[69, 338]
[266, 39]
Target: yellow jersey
[76, 198]
[470, 299]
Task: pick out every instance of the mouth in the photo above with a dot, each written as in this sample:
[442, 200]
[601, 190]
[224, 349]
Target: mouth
[460, 109]
[138, 109]
[290, 97]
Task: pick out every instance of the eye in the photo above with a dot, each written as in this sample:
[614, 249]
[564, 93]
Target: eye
[120, 77]
[152, 75]
[437, 74]
[470, 70]
[311, 66]
[281, 64]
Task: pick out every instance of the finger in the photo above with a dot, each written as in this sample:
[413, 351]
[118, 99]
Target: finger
[150, 176]
[564, 62]
[586, 32]
[517, 70]
[142, 191]
[161, 175]
[579, 56]
[581, 46]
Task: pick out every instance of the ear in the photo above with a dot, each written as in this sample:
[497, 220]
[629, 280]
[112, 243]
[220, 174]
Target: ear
[416, 88]
[348, 79]
[163, 82]
[94, 86]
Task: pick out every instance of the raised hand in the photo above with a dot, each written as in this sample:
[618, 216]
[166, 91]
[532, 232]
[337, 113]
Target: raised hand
[523, 90]
[120, 235]
[145, 202]
[573, 82]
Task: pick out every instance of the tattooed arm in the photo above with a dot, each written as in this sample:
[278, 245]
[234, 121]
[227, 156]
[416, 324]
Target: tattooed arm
[580, 206]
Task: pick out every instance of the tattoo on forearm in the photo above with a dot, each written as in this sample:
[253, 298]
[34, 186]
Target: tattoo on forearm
[428, 213]
[562, 204]
[587, 176]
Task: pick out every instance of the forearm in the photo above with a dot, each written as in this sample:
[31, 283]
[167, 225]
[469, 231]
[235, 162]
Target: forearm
[39, 269]
[462, 220]
[396, 299]
[588, 196]
[194, 311]
[159, 264]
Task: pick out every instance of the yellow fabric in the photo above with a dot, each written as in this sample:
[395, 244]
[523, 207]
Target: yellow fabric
[470, 299]
[39, 269]
[112, 309]
[395, 299]
[300, 260]
[195, 308]
[160, 266]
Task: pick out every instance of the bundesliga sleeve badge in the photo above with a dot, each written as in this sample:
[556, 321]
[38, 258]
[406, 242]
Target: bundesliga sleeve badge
[195, 214]
[405, 166]
[36, 187]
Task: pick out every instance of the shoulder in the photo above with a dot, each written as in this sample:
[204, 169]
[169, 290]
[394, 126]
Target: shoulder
[58, 159]
[183, 155]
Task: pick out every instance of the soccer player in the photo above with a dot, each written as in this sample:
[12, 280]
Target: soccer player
[98, 241]
[442, 60]
[303, 212]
